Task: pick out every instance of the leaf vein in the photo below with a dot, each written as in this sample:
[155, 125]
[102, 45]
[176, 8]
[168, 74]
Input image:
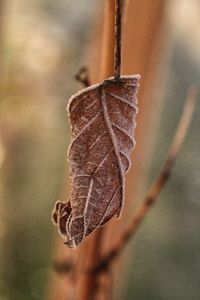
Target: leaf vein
[122, 100]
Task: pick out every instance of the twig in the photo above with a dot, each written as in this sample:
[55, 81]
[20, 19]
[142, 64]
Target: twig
[157, 185]
[117, 62]
[83, 77]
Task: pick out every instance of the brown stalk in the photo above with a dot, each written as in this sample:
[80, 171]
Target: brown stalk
[107, 49]
[157, 185]
[89, 284]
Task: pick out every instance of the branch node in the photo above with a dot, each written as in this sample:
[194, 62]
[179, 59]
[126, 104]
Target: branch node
[83, 76]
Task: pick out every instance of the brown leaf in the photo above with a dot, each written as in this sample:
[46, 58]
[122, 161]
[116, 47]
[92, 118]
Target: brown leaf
[102, 121]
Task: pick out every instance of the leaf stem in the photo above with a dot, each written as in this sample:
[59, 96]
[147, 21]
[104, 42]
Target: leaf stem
[117, 62]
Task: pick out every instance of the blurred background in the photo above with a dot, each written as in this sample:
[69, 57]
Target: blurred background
[43, 43]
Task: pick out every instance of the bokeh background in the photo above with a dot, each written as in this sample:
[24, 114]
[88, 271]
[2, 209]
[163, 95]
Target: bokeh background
[43, 43]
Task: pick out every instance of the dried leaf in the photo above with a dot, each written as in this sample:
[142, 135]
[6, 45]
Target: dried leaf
[102, 121]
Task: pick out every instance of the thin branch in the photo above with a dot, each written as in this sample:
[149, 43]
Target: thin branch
[117, 62]
[157, 185]
[83, 76]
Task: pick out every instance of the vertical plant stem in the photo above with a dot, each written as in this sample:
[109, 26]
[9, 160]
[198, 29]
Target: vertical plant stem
[107, 42]
[117, 61]
[89, 285]
[95, 287]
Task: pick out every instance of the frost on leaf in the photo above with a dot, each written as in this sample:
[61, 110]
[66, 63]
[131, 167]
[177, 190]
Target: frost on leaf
[102, 119]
